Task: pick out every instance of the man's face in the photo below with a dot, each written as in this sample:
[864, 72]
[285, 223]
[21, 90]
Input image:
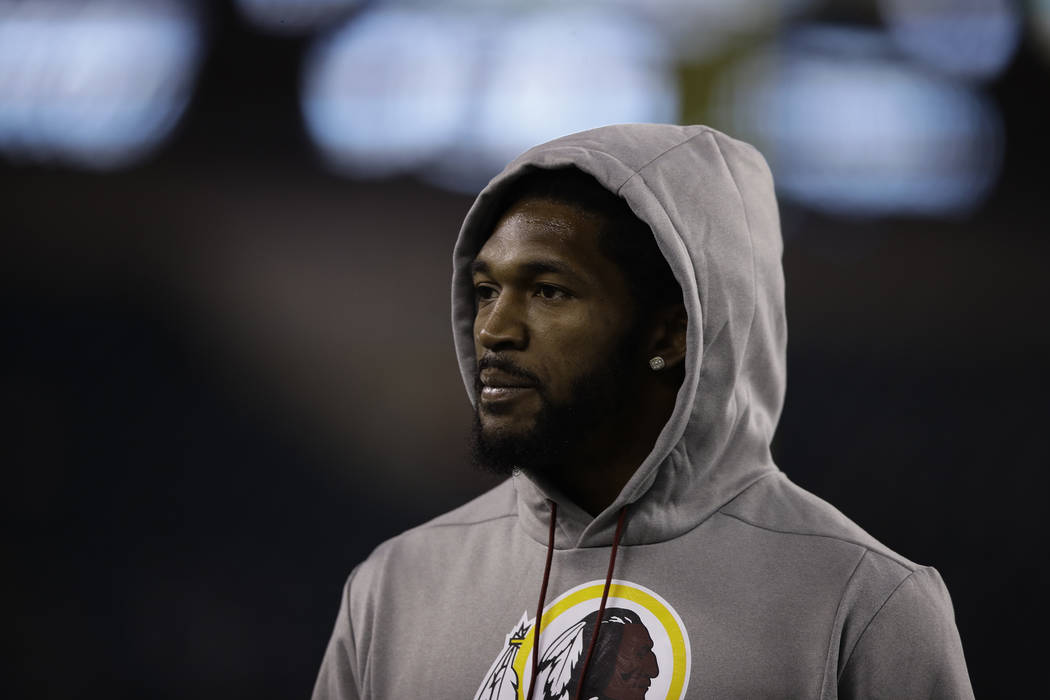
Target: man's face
[636, 666]
[552, 332]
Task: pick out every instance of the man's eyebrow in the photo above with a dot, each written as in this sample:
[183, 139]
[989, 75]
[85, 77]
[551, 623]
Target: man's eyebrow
[539, 267]
[532, 268]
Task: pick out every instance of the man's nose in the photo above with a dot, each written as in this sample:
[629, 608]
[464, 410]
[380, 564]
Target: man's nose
[503, 326]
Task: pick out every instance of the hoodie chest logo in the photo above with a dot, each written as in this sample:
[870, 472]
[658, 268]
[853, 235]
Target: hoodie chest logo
[642, 652]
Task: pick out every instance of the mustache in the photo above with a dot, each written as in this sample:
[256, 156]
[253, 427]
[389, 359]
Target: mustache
[505, 365]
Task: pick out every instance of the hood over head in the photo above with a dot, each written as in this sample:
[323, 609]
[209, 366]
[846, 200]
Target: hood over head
[710, 203]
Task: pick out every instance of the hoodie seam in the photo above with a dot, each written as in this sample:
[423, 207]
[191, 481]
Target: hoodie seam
[904, 565]
[634, 171]
[835, 619]
[661, 154]
[718, 510]
[741, 492]
[853, 649]
[751, 246]
[430, 526]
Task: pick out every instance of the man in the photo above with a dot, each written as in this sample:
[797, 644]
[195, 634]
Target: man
[618, 313]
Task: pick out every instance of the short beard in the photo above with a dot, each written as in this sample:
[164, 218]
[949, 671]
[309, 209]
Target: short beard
[560, 428]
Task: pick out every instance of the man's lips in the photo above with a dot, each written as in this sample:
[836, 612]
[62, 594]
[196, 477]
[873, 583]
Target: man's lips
[498, 393]
[499, 386]
[497, 379]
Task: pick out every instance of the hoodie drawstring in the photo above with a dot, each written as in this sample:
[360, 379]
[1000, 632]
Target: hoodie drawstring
[605, 597]
[543, 596]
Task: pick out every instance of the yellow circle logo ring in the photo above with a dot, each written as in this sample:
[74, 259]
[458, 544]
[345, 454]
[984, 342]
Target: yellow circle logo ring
[622, 590]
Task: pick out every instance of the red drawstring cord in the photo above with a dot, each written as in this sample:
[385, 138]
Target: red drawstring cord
[601, 608]
[543, 596]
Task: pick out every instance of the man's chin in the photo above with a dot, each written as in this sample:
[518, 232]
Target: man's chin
[506, 426]
[504, 444]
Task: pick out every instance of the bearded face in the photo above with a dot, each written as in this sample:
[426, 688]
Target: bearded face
[554, 334]
[543, 447]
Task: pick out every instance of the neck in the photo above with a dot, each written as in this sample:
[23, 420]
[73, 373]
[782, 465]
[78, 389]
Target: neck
[605, 461]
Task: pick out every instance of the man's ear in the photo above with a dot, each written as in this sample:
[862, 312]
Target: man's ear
[668, 335]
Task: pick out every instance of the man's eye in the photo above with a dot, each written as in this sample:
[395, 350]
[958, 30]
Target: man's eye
[484, 292]
[549, 291]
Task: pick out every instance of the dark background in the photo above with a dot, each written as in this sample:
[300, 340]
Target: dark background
[229, 375]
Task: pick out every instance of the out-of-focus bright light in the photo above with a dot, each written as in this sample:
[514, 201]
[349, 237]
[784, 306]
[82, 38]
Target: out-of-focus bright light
[697, 29]
[964, 38]
[850, 129]
[294, 16]
[390, 90]
[692, 29]
[93, 83]
[557, 73]
[453, 97]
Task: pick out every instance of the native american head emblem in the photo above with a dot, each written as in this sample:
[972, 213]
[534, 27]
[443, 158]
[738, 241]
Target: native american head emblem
[641, 652]
[623, 665]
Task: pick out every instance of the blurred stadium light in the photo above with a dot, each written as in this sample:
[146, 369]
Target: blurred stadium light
[699, 29]
[96, 83]
[454, 95]
[294, 16]
[851, 129]
[692, 29]
[554, 73]
[389, 90]
[963, 38]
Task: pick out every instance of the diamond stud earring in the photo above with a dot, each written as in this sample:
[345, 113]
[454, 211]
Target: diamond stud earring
[657, 363]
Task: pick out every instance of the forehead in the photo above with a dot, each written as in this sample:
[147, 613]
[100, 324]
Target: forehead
[542, 228]
[637, 633]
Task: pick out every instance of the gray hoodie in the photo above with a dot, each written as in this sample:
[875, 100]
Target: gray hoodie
[729, 581]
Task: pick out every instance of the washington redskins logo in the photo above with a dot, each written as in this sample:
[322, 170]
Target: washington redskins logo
[642, 651]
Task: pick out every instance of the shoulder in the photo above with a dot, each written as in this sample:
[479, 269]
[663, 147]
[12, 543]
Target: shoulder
[434, 540]
[778, 506]
[785, 521]
[888, 610]
[909, 647]
[496, 503]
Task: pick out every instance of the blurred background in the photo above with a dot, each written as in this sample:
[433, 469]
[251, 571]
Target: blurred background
[226, 246]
